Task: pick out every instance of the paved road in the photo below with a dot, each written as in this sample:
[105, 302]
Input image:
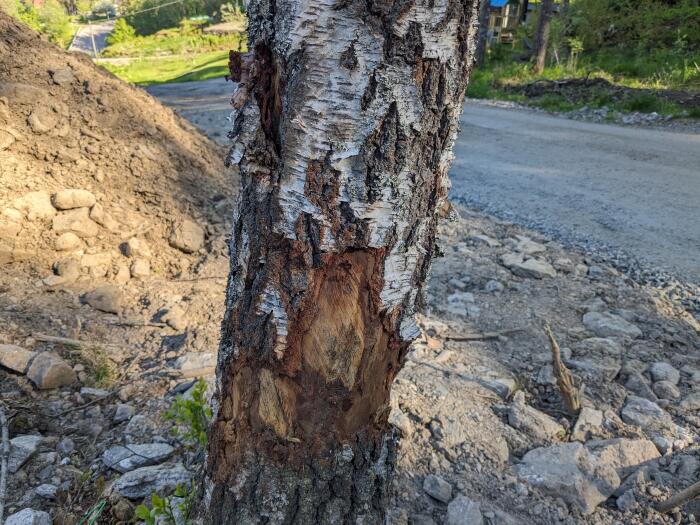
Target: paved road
[82, 42]
[635, 191]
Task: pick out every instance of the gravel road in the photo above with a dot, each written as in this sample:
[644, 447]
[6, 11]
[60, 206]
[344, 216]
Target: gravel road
[627, 194]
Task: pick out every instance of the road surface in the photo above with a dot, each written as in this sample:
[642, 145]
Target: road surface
[83, 40]
[604, 188]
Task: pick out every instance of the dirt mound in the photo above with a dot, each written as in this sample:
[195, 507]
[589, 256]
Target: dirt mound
[142, 170]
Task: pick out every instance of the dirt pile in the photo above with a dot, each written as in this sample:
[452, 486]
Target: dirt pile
[87, 163]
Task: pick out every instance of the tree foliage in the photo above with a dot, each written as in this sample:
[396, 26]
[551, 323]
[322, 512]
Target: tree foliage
[157, 18]
[122, 32]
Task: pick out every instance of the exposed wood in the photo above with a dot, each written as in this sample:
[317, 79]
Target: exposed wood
[344, 119]
[565, 381]
[683, 497]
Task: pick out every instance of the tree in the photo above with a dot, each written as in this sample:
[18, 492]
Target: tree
[482, 39]
[345, 116]
[542, 34]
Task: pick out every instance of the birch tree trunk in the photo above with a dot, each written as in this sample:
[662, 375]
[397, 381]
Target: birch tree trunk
[345, 116]
[542, 34]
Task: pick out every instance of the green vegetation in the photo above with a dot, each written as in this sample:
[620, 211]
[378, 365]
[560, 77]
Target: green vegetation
[191, 416]
[165, 510]
[640, 51]
[50, 18]
[158, 70]
[147, 17]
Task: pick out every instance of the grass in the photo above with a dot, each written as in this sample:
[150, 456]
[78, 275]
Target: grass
[159, 70]
[503, 77]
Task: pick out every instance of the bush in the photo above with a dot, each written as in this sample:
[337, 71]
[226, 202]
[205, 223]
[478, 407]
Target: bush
[122, 32]
[55, 22]
[149, 22]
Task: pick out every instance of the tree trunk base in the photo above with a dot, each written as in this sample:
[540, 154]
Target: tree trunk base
[349, 485]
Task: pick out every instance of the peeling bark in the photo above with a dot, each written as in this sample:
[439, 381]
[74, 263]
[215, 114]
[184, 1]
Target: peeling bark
[343, 125]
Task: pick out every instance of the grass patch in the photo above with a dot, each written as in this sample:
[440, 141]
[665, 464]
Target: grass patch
[101, 370]
[553, 103]
[159, 70]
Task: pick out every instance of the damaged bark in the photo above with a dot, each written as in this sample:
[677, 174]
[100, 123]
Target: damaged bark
[343, 125]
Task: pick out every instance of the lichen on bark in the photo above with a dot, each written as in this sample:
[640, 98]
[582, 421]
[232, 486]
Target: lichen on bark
[343, 125]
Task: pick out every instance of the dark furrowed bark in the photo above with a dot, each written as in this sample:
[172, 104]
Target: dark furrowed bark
[344, 121]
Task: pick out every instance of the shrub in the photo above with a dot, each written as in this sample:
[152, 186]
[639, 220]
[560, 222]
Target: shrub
[122, 32]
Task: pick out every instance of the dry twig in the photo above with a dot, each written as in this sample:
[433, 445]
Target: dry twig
[565, 381]
[683, 497]
[481, 336]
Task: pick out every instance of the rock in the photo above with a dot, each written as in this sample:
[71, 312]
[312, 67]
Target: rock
[485, 239]
[531, 421]
[72, 198]
[595, 272]
[589, 423]
[532, 268]
[605, 324]
[9, 228]
[140, 268]
[29, 517]
[627, 501]
[569, 471]
[94, 393]
[139, 425]
[21, 449]
[42, 120]
[125, 458]
[666, 390]
[638, 384]
[48, 371]
[691, 402]
[46, 491]
[68, 241]
[76, 221]
[196, 364]
[493, 286]
[661, 371]
[62, 76]
[105, 298]
[187, 237]
[142, 482]
[66, 272]
[564, 265]
[503, 386]
[123, 275]
[528, 246]
[463, 511]
[401, 421]
[36, 205]
[101, 217]
[15, 358]
[7, 139]
[437, 488]
[597, 369]
[176, 318]
[623, 454]
[66, 446]
[656, 422]
[123, 412]
[136, 248]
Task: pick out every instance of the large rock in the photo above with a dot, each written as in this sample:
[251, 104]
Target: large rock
[62, 76]
[76, 221]
[48, 370]
[105, 298]
[72, 198]
[21, 449]
[437, 487]
[656, 423]
[135, 247]
[463, 511]
[144, 481]
[42, 120]
[29, 517]
[605, 324]
[15, 358]
[196, 364]
[623, 454]
[68, 241]
[528, 246]
[531, 421]
[570, 472]
[36, 205]
[125, 458]
[532, 268]
[187, 236]
[589, 423]
[661, 371]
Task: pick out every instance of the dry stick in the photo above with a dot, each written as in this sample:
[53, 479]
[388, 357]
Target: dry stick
[60, 340]
[482, 336]
[683, 497]
[565, 380]
[4, 455]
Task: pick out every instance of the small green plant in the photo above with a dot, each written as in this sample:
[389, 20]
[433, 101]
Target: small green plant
[166, 510]
[191, 416]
